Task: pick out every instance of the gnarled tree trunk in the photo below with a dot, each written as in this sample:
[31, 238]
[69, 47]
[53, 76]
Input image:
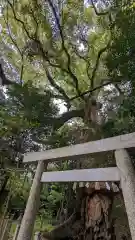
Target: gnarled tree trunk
[91, 218]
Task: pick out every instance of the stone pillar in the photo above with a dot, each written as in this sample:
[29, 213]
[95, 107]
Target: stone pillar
[127, 175]
[27, 224]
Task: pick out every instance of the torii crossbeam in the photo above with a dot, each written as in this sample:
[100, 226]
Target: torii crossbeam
[83, 149]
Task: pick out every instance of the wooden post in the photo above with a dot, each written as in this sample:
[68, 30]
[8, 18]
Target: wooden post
[127, 175]
[27, 224]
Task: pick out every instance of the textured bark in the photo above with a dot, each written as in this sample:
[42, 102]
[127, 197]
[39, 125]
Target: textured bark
[91, 220]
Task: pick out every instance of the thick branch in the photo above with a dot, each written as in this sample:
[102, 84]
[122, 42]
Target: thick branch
[97, 65]
[44, 54]
[32, 13]
[72, 75]
[16, 45]
[19, 20]
[58, 122]
[11, 38]
[103, 49]
[58, 88]
[96, 88]
[96, 11]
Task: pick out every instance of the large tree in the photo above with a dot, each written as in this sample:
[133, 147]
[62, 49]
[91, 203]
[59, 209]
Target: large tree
[62, 47]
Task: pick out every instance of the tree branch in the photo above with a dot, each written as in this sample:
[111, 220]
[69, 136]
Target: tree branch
[44, 54]
[11, 38]
[19, 20]
[72, 75]
[58, 88]
[96, 88]
[105, 48]
[97, 64]
[68, 71]
[58, 122]
[96, 11]
[34, 18]
[15, 44]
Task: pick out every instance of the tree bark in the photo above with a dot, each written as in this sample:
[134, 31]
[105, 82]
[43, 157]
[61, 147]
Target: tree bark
[91, 219]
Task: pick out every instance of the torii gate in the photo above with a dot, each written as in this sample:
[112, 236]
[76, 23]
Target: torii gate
[124, 173]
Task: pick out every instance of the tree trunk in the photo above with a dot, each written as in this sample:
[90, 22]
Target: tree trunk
[91, 218]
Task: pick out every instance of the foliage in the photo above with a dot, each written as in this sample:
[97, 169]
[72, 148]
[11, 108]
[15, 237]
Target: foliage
[24, 114]
[120, 62]
[19, 186]
[40, 39]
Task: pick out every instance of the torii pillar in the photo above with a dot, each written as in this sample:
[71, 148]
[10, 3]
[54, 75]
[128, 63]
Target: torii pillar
[127, 176]
[28, 220]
